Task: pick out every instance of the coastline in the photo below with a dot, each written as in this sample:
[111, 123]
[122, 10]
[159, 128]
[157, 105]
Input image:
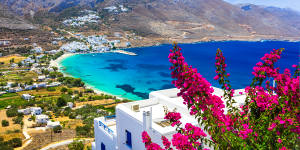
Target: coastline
[56, 63]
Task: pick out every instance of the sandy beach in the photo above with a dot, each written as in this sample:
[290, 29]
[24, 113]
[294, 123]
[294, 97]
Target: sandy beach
[56, 62]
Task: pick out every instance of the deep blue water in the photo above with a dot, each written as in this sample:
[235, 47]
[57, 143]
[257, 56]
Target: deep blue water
[133, 77]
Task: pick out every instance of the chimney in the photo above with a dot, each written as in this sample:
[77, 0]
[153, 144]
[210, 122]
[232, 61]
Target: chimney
[147, 119]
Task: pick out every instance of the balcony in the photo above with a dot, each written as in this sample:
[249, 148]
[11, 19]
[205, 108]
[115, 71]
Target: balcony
[108, 123]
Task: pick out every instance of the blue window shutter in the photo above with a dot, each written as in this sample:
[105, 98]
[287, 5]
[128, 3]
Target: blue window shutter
[102, 146]
[128, 139]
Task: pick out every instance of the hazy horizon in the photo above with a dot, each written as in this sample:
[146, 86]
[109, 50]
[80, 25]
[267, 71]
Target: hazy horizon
[292, 4]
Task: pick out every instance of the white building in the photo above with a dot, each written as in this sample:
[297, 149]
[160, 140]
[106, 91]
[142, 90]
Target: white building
[41, 78]
[36, 110]
[51, 124]
[124, 131]
[54, 84]
[42, 119]
[70, 104]
[40, 85]
[27, 96]
[29, 87]
[26, 111]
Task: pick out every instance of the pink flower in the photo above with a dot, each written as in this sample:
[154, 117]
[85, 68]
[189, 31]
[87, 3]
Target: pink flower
[216, 77]
[272, 126]
[146, 138]
[279, 140]
[174, 118]
[283, 148]
[166, 142]
[294, 66]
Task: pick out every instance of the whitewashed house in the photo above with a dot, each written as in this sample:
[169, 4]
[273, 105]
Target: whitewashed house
[36, 110]
[51, 124]
[29, 87]
[70, 104]
[27, 96]
[26, 111]
[54, 84]
[40, 85]
[123, 132]
[41, 78]
[41, 119]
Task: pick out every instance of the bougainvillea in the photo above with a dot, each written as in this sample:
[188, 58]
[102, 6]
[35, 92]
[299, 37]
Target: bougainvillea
[269, 118]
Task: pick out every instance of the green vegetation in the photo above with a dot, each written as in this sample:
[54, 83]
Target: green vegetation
[76, 145]
[51, 89]
[57, 129]
[11, 144]
[19, 119]
[85, 131]
[8, 94]
[71, 82]
[12, 112]
[61, 101]
[5, 123]
[18, 101]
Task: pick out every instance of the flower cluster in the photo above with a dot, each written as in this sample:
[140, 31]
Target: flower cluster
[266, 69]
[270, 117]
[174, 118]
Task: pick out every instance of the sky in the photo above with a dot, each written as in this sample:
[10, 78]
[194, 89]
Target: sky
[293, 4]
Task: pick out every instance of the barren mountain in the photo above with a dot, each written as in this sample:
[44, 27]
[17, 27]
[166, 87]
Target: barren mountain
[181, 20]
[10, 20]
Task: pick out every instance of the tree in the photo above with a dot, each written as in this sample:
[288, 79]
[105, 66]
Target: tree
[57, 129]
[61, 102]
[12, 112]
[55, 68]
[268, 120]
[85, 131]
[5, 123]
[11, 60]
[63, 90]
[15, 142]
[20, 64]
[76, 145]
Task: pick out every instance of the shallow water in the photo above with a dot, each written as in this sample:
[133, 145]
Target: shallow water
[133, 77]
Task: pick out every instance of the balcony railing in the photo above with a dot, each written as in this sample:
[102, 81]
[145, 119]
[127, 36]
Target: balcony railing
[105, 127]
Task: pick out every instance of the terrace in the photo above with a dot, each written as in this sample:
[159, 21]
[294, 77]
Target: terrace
[108, 124]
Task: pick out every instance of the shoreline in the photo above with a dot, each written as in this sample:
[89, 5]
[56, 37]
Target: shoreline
[57, 62]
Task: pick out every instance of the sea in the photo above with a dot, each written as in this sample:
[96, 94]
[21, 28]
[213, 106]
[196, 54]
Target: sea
[134, 77]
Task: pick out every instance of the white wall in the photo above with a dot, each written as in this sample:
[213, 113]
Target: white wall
[101, 136]
[126, 122]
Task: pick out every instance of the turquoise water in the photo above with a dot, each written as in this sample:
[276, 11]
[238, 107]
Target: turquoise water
[133, 77]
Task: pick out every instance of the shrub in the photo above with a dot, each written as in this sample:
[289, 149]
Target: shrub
[63, 90]
[61, 102]
[57, 129]
[51, 88]
[12, 112]
[15, 142]
[18, 120]
[5, 123]
[76, 145]
[84, 131]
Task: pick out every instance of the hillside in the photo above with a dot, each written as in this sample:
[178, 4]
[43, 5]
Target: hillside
[180, 20]
[12, 21]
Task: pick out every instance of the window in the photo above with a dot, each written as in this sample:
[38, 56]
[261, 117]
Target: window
[102, 146]
[128, 139]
